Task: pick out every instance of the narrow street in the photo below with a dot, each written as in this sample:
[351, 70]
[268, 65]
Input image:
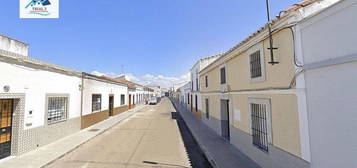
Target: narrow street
[150, 138]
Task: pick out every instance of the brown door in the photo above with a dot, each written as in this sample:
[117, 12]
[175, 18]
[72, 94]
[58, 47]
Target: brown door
[6, 109]
[111, 105]
[130, 101]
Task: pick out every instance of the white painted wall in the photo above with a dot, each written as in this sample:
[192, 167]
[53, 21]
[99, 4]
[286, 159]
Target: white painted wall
[92, 86]
[14, 46]
[331, 90]
[35, 84]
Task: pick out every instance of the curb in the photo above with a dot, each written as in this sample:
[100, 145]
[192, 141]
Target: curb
[209, 157]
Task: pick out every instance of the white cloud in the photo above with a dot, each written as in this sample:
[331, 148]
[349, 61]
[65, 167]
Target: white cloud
[149, 79]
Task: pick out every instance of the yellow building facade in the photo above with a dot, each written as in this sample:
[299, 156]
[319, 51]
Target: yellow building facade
[256, 105]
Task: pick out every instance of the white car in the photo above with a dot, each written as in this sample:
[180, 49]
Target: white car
[152, 101]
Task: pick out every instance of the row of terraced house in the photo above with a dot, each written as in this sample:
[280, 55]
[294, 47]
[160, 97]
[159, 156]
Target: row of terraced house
[291, 104]
[42, 102]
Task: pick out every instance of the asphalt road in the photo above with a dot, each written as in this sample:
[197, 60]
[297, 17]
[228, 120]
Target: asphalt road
[153, 137]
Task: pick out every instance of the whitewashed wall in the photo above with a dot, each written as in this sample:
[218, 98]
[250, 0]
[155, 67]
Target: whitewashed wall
[329, 49]
[35, 84]
[92, 86]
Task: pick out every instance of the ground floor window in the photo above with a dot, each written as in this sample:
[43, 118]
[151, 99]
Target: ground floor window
[96, 102]
[122, 99]
[57, 109]
[260, 123]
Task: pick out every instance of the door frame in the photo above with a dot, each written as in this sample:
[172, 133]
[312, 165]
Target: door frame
[10, 131]
[225, 120]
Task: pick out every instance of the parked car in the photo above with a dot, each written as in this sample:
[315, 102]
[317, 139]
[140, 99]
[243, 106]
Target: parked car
[153, 101]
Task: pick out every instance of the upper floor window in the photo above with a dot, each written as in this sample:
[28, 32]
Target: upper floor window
[223, 75]
[197, 88]
[96, 102]
[206, 81]
[255, 65]
[57, 109]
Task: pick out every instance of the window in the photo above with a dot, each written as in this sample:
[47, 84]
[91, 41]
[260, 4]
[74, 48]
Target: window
[57, 109]
[197, 88]
[122, 99]
[96, 102]
[206, 81]
[260, 123]
[255, 65]
[207, 108]
[223, 75]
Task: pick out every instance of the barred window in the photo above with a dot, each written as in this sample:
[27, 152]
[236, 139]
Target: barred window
[223, 75]
[122, 99]
[260, 125]
[255, 65]
[207, 108]
[57, 109]
[96, 102]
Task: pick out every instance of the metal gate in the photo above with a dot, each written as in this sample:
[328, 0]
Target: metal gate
[6, 110]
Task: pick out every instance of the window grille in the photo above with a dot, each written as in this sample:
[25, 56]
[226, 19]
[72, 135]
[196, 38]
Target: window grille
[122, 99]
[223, 75]
[96, 102]
[207, 108]
[57, 109]
[259, 126]
[255, 65]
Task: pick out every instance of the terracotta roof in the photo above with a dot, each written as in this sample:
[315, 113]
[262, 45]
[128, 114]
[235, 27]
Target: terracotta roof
[300, 5]
[111, 79]
[131, 85]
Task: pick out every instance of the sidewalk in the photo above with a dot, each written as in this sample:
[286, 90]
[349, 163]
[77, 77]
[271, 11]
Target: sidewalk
[218, 151]
[48, 153]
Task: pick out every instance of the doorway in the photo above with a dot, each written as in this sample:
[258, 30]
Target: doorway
[111, 105]
[6, 111]
[129, 101]
[225, 119]
[196, 104]
[191, 104]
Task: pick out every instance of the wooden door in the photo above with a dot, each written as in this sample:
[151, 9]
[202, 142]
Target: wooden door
[6, 110]
[111, 105]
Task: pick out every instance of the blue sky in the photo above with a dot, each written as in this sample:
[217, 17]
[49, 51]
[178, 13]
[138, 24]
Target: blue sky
[148, 37]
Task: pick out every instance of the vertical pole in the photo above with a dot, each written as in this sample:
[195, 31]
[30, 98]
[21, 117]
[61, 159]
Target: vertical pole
[270, 36]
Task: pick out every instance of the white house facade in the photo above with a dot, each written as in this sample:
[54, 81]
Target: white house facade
[195, 96]
[102, 97]
[328, 54]
[39, 102]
